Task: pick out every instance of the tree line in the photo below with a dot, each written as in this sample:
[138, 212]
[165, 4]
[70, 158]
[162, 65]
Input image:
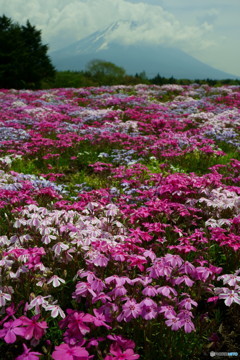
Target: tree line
[25, 64]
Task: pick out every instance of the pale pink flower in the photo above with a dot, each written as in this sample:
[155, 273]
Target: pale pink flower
[59, 247]
[230, 297]
[230, 279]
[55, 311]
[37, 302]
[56, 281]
[4, 297]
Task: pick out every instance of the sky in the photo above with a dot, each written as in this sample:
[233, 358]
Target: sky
[209, 30]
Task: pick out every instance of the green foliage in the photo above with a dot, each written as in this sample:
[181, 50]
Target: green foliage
[103, 71]
[23, 59]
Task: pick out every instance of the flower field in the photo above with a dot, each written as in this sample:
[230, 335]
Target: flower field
[119, 222]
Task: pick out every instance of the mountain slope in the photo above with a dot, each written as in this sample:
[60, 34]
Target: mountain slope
[134, 58]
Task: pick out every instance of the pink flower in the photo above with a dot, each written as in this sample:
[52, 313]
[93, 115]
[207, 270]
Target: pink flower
[11, 329]
[122, 342]
[77, 322]
[149, 309]
[118, 354]
[28, 354]
[168, 311]
[187, 303]
[166, 291]
[149, 291]
[184, 279]
[188, 325]
[66, 352]
[130, 310]
[99, 319]
[173, 260]
[33, 328]
[83, 289]
[174, 322]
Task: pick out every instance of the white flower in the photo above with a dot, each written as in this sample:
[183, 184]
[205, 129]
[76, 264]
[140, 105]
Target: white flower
[56, 281]
[4, 297]
[55, 311]
[230, 297]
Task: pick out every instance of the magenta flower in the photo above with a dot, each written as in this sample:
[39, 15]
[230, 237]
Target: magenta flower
[11, 329]
[99, 319]
[122, 342]
[118, 354]
[33, 328]
[28, 354]
[77, 322]
[66, 352]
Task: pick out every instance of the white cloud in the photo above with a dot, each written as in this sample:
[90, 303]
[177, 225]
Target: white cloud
[65, 21]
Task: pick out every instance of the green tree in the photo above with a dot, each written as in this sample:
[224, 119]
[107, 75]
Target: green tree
[24, 62]
[105, 72]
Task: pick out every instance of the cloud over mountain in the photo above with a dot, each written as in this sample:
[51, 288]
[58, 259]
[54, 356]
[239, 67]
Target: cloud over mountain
[65, 21]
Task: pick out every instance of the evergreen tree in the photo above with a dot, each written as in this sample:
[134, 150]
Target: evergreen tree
[23, 58]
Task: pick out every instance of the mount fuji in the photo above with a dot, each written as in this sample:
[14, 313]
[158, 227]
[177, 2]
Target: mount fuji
[134, 57]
